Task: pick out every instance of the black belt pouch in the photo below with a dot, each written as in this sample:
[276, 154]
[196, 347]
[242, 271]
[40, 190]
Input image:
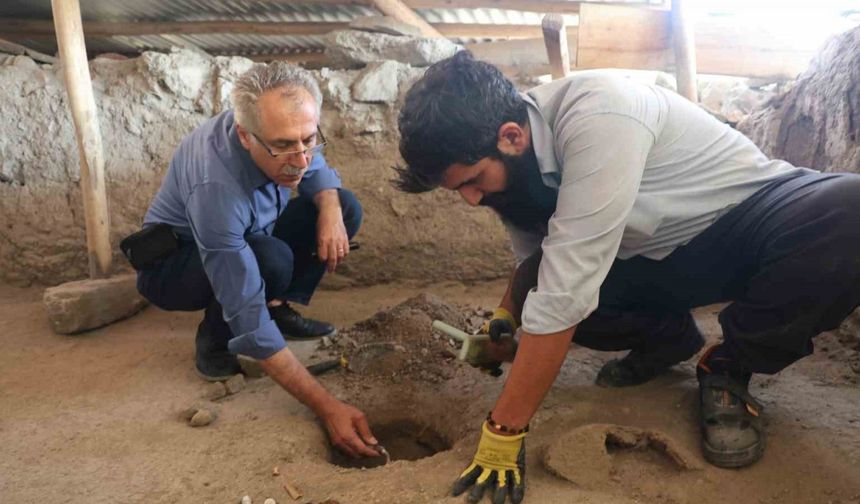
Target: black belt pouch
[150, 245]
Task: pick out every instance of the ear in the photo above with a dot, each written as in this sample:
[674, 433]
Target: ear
[244, 136]
[513, 139]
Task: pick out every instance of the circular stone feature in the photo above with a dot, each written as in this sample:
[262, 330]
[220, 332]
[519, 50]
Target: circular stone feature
[402, 439]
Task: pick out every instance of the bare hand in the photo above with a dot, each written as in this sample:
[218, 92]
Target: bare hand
[332, 240]
[348, 430]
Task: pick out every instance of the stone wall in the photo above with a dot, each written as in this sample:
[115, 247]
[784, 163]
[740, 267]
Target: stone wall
[147, 104]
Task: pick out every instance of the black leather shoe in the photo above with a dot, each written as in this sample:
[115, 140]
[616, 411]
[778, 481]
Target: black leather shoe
[212, 360]
[640, 366]
[295, 327]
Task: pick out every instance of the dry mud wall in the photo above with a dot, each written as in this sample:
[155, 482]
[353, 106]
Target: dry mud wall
[147, 104]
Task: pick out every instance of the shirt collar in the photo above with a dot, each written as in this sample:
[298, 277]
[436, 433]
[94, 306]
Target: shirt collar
[543, 141]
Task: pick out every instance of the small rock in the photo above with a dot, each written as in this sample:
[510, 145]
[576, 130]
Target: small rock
[215, 391]
[270, 501]
[325, 342]
[246, 499]
[188, 413]
[235, 384]
[202, 418]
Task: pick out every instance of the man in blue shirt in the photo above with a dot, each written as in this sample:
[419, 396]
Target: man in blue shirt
[246, 249]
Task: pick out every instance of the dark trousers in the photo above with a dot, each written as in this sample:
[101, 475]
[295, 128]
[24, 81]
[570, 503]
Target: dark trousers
[285, 260]
[788, 259]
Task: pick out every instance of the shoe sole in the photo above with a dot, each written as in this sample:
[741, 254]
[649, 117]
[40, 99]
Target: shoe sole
[733, 459]
[214, 379]
[289, 337]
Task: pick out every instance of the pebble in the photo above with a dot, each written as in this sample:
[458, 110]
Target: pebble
[325, 342]
[215, 391]
[235, 384]
[201, 418]
[270, 501]
[246, 499]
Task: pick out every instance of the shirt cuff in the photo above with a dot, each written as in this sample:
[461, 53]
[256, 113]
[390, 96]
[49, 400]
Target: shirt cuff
[259, 344]
[547, 313]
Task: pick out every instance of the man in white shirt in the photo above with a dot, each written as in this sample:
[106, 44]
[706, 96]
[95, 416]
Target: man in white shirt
[627, 206]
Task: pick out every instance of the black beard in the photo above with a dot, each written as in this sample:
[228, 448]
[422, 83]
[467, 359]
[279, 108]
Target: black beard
[526, 202]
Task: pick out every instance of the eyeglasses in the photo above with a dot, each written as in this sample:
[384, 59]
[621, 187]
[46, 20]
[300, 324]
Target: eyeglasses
[307, 152]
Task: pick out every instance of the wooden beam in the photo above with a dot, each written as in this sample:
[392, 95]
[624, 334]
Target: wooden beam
[13, 48]
[33, 28]
[400, 12]
[73, 54]
[683, 44]
[520, 56]
[555, 39]
[542, 6]
[19, 29]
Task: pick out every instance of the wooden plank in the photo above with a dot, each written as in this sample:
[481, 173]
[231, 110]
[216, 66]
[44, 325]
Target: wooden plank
[73, 54]
[622, 37]
[683, 44]
[555, 39]
[397, 10]
[520, 56]
[613, 36]
[18, 29]
[542, 6]
[13, 48]
[456, 30]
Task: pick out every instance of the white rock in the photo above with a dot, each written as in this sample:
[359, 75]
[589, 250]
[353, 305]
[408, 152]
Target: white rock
[378, 83]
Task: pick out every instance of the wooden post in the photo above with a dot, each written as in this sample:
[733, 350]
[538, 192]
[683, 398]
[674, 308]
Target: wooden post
[73, 55]
[401, 12]
[685, 51]
[555, 39]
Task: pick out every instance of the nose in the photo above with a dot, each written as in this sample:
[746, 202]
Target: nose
[299, 161]
[471, 195]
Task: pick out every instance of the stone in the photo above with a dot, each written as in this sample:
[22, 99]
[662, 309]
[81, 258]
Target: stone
[356, 49]
[378, 83]
[215, 391]
[384, 24]
[235, 384]
[202, 418]
[270, 501]
[325, 342]
[82, 305]
[246, 500]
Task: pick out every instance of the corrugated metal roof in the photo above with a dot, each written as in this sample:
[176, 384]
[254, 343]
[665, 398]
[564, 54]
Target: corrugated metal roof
[240, 10]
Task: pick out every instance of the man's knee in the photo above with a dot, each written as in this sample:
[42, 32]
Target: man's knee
[275, 261]
[352, 211]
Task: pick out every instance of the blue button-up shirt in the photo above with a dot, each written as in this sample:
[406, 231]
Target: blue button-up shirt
[214, 193]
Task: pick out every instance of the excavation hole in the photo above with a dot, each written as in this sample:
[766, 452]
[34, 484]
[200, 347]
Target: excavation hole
[403, 439]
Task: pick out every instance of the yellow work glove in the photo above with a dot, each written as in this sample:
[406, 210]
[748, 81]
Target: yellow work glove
[500, 464]
[503, 322]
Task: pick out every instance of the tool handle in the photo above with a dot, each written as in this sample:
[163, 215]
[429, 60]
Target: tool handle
[321, 367]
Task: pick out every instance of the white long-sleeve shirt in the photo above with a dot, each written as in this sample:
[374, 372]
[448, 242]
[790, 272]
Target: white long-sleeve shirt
[639, 171]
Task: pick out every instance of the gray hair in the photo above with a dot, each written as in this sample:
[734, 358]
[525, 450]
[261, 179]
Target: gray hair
[261, 78]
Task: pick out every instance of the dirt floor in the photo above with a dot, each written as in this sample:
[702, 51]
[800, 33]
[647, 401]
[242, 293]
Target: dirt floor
[97, 417]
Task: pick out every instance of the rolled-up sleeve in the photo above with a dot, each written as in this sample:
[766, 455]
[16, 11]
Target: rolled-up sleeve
[320, 176]
[218, 219]
[603, 157]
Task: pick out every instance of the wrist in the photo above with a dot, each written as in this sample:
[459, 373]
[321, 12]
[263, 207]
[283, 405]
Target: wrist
[504, 429]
